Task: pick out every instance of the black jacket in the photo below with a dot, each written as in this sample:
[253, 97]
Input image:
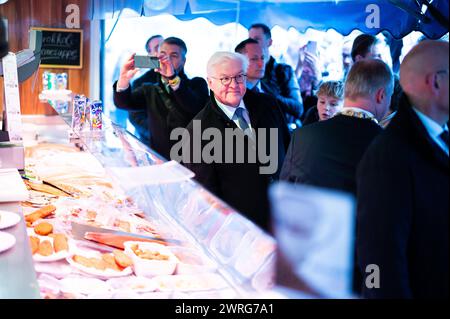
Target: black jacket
[403, 208]
[241, 185]
[326, 153]
[166, 111]
[280, 81]
[311, 116]
[148, 77]
[139, 119]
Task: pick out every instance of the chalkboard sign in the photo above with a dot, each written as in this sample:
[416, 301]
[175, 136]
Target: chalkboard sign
[61, 48]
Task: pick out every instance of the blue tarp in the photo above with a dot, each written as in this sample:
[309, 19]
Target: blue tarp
[399, 17]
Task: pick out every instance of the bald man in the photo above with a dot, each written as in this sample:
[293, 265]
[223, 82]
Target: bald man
[402, 187]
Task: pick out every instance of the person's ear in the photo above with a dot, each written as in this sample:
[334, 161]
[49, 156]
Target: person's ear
[209, 80]
[436, 82]
[380, 95]
[359, 57]
[270, 42]
[432, 82]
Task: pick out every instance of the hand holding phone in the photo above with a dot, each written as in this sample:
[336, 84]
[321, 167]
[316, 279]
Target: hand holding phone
[127, 72]
[146, 62]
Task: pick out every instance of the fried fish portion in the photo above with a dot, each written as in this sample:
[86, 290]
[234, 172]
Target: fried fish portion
[110, 262]
[34, 244]
[40, 213]
[45, 248]
[43, 229]
[122, 259]
[60, 242]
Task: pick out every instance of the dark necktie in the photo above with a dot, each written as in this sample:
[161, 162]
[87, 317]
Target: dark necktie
[444, 137]
[242, 122]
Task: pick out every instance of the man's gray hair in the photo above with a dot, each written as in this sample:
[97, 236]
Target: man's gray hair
[224, 56]
[366, 77]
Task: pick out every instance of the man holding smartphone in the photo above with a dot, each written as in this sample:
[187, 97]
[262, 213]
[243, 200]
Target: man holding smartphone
[171, 102]
[139, 119]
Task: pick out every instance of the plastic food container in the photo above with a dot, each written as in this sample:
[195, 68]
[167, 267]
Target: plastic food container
[151, 267]
[191, 262]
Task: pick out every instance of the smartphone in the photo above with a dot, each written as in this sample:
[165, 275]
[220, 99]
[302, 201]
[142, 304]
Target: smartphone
[146, 62]
[311, 47]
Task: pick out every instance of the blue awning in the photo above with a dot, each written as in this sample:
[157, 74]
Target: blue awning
[399, 17]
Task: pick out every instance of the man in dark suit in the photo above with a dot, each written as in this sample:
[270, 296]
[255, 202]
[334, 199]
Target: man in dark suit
[172, 102]
[238, 169]
[326, 153]
[403, 191]
[279, 78]
[256, 63]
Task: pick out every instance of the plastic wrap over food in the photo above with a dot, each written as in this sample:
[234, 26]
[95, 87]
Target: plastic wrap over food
[170, 172]
[315, 232]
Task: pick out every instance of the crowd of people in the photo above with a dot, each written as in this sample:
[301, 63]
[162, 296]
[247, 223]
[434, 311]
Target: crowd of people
[374, 134]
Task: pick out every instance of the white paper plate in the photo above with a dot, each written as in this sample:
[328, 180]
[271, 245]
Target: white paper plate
[6, 241]
[83, 285]
[8, 219]
[54, 257]
[102, 274]
[60, 255]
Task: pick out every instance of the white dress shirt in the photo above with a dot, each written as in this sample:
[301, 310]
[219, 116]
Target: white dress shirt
[250, 86]
[230, 113]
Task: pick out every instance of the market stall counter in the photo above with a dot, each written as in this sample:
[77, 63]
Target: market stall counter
[109, 218]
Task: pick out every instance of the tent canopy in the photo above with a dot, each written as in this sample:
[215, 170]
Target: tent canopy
[399, 17]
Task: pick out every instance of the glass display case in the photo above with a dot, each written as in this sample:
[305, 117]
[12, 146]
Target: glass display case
[220, 253]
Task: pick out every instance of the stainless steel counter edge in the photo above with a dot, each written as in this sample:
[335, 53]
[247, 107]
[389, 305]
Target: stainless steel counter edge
[17, 274]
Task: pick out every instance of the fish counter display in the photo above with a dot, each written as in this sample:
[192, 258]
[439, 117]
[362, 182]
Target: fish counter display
[93, 233]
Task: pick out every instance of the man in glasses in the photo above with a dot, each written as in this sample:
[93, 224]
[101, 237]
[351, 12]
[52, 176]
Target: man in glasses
[238, 169]
[171, 102]
[403, 189]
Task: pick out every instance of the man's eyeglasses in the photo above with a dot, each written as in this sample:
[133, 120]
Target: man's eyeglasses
[240, 78]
